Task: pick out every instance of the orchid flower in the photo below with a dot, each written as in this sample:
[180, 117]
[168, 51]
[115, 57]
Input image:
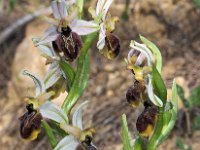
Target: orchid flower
[66, 31]
[63, 19]
[30, 121]
[108, 43]
[140, 61]
[78, 136]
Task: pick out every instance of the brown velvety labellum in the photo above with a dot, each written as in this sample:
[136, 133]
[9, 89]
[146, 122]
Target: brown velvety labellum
[134, 93]
[147, 117]
[29, 123]
[113, 44]
[69, 43]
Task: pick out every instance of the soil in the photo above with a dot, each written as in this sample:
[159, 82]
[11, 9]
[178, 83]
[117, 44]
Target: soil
[173, 25]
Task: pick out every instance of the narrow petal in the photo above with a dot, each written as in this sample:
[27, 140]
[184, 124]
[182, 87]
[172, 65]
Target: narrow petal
[102, 34]
[53, 75]
[77, 116]
[66, 143]
[48, 39]
[50, 31]
[82, 27]
[146, 52]
[55, 9]
[62, 9]
[39, 84]
[106, 7]
[130, 54]
[59, 9]
[46, 49]
[140, 59]
[99, 7]
[52, 111]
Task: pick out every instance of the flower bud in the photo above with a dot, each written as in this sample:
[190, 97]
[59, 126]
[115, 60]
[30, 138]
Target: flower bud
[146, 121]
[68, 42]
[134, 94]
[30, 123]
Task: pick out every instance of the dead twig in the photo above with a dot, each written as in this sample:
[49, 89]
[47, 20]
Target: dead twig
[21, 22]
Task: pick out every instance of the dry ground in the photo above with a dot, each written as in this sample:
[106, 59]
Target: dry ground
[171, 24]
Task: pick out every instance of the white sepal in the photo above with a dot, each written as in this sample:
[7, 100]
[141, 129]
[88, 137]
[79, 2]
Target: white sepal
[53, 75]
[102, 35]
[39, 84]
[82, 27]
[51, 111]
[59, 9]
[77, 116]
[153, 98]
[67, 143]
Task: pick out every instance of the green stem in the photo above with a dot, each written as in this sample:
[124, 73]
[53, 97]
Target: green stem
[79, 84]
[125, 13]
[49, 133]
[138, 144]
[153, 142]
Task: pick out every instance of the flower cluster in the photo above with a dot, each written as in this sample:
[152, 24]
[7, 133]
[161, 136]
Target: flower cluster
[60, 45]
[141, 61]
[149, 90]
[108, 43]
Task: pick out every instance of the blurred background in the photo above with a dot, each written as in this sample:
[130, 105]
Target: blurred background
[173, 25]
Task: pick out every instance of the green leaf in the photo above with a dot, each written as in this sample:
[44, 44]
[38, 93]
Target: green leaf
[172, 113]
[49, 133]
[196, 124]
[159, 85]
[194, 98]
[181, 94]
[125, 14]
[138, 144]
[155, 51]
[125, 134]
[81, 77]
[154, 140]
[78, 86]
[197, 3]
[57, 130]
[69, 72]
[179, 144]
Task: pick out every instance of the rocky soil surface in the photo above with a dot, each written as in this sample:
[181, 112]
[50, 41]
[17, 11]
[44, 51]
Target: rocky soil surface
[171, 24]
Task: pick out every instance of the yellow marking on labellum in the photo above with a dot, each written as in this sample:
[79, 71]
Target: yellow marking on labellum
[134, 103]
[147, 132]
[33, 135]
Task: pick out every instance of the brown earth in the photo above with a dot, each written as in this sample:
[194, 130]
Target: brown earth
[173, 25]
